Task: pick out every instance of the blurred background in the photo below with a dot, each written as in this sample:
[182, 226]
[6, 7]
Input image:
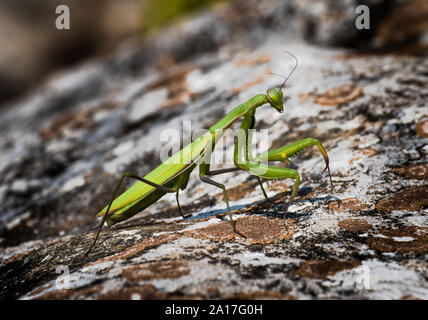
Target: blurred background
[32, 47]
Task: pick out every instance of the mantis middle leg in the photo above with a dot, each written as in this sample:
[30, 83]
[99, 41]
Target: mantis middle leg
[271, 172]
[204, 169]
[221, 171]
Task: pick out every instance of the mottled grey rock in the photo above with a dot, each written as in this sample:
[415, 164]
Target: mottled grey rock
[64, 148]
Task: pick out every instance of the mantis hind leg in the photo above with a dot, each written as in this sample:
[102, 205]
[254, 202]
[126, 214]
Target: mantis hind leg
[179, 208]
[263, 189]
[126, 175]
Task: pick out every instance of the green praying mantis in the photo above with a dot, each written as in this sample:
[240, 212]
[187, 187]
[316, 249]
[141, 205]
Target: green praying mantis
[173, 175]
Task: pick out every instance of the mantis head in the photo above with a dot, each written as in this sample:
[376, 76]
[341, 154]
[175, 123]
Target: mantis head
[274, 96]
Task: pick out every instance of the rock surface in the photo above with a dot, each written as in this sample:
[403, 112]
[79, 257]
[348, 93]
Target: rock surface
[64, 148]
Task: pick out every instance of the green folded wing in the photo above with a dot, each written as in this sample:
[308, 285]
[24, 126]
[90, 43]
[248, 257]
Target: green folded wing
[162, 174]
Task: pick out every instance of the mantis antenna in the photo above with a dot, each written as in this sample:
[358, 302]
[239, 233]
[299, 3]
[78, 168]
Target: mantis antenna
[294, 68]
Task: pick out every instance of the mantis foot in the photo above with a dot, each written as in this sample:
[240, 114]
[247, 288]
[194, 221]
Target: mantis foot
[237, 232]
[286, 211]
[233, 223]
[327, 167]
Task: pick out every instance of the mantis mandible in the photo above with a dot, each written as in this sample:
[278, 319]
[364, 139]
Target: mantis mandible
[173, 175]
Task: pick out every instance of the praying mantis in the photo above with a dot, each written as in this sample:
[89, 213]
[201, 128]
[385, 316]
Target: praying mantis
[173, 175]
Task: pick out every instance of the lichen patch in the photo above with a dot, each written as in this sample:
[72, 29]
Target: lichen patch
[142, 292]
[36, 291]
[354, 225]
[409, 199]
[247, 85]
[256, 229]
[363, 153]
[320, 269]
[69, 294]
[145, 291]
[217, 232]
[422, 127]
[138, 247]
[393, 240]
[405, 232]
[339, 95]
[347, 204]
[156, 270]
[74, 120]
[176, 83]
[261, 295]
[18, 256]
[250, 61]
[415, 171]
[391, 245]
